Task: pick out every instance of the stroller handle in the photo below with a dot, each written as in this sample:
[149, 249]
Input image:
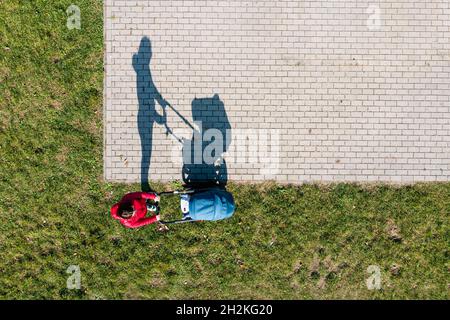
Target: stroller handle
[176, 221]
[178, 192]
[175, 192]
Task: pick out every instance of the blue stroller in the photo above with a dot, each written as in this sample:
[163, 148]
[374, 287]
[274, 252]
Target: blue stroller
[210, 204]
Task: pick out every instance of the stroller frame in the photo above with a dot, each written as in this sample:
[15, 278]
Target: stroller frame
[181, 192]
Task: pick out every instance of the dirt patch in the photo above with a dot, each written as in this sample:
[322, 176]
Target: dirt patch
[314, 268]
[393, 231]
[4, 74]
[55, 104]
[157, 281]
[322, 283]
[297, 266]
[61, 157]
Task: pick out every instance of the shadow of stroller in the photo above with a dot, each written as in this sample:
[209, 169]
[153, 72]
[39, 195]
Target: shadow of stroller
[148, 95]
[203, 162]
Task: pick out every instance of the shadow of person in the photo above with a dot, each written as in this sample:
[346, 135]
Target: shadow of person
[148, 95]
[203, 162]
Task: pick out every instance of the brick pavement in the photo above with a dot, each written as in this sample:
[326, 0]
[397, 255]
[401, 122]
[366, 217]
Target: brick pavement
[294, 91]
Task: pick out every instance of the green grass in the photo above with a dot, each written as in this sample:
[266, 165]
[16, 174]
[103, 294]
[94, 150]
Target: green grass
[284, 242]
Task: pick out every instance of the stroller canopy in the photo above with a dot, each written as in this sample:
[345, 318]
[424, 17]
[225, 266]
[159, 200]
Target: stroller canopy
[214, 204]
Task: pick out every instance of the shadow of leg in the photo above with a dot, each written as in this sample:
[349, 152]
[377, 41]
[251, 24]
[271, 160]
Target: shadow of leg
[145, 167]
[146, 147]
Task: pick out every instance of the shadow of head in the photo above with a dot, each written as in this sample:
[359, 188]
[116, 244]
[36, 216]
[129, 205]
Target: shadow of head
[144, 54]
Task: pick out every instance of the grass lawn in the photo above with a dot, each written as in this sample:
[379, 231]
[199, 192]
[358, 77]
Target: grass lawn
[284, 242]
